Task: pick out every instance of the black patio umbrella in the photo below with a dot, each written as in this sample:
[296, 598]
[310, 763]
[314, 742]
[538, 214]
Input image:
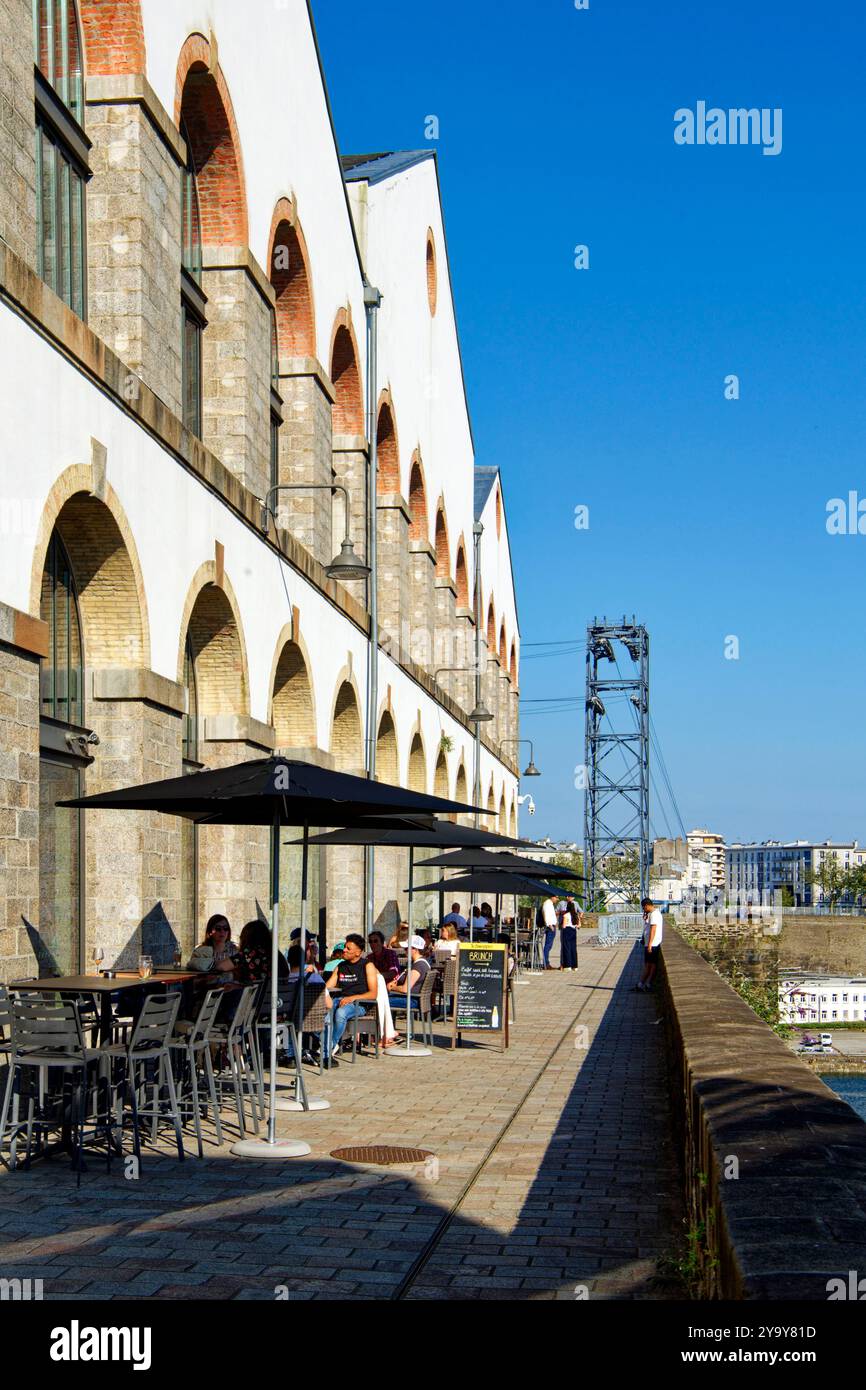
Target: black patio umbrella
[276, 792]
[486, 881]
[482, 858]
[440, 835]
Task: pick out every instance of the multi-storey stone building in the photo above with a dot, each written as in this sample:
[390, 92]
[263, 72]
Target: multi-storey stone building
[185, 325]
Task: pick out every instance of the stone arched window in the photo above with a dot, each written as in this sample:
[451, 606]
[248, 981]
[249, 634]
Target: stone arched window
[290, 277]
[418, 530]
[348, 408]
[387, 451]
[443, 556]
[346, 739]
[461, 577]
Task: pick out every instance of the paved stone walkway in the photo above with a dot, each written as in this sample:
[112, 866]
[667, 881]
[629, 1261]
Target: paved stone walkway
[554, 1176]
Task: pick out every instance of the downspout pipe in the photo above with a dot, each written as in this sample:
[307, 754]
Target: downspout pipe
[372, 302]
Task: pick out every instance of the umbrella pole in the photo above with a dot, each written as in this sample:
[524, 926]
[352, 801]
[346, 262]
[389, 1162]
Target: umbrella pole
[273, 1147]
[302, 1101]
[411, 1049]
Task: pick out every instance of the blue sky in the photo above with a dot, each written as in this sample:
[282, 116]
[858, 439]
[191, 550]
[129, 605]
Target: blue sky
[605, 387]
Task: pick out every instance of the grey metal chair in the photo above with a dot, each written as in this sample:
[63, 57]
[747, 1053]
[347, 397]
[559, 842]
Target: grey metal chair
[46, 1036]
[364, 1026]
[236, 1037]
[423, 1008]
[147, 1050]
[193, 1042]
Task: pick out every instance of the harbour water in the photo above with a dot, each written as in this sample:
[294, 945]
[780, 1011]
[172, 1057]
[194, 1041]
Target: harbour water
[850, 1088]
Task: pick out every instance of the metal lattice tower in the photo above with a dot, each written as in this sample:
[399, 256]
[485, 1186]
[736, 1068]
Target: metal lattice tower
[617, 744]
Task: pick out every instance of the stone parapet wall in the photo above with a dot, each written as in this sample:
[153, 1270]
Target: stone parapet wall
[774, 1163]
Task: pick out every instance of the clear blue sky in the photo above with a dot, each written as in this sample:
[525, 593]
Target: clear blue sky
[606, 387]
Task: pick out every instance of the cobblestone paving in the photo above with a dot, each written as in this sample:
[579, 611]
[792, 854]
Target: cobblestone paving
[554, 1177]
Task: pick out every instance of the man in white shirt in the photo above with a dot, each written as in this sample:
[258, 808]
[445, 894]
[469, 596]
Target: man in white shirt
[653, 930]
[548, 916]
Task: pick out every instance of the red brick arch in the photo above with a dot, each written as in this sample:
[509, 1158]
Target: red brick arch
[289, 267]
[203, 106]
[418, 526]
[113, 37]
[348, 409]
[387, 447]
[513, 665]
[503, 647]
[491, 628]
[461, 576]
[443, 550]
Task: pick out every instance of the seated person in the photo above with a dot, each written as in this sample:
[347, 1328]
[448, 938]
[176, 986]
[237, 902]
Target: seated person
[383, 957]
[353, 983]
[478, 920]
[253, 962]
[400, 937]
[429, 943]
[334, 958]
[418, 972]
[455, 919]
[448, 942]
[218, 933]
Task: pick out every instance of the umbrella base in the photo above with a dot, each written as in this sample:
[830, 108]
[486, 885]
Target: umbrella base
[409, 1050]
[260, 1148]
[313, 1103]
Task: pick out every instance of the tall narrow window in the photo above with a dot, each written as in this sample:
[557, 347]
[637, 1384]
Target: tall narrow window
[276, 408]
[57, 941]
[193, 299]
[62, 152]
[186, 928]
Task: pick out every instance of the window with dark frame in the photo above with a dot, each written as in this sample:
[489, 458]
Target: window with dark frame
[193, 298]
[62, 152]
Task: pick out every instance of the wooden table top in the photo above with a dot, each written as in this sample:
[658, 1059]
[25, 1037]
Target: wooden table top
[97, 984]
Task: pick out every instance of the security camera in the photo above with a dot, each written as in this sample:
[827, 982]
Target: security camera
[531, 806]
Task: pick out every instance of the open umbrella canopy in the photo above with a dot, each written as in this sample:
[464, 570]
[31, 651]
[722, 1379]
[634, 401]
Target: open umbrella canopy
[486, 881]
[485, 859]
[266, 790]
[438, 835]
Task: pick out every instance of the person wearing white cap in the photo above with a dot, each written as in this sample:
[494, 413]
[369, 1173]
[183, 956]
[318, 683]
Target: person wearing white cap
[418, 970]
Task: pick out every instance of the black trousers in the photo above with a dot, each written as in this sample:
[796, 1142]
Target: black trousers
[568, 948]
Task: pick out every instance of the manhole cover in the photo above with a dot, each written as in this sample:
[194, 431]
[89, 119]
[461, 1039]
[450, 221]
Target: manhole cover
[383, 1154]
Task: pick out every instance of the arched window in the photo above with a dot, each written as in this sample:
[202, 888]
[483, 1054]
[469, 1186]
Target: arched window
[62, 151]
[192, 297]
[62, 671]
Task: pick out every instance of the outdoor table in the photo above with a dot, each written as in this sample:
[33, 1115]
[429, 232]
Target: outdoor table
[99, 985]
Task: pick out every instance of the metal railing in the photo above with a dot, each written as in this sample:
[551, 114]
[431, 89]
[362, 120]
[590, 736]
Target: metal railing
[615, 927]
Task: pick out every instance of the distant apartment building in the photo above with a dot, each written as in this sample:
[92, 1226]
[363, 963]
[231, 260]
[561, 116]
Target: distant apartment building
[707, 846]
[822, 999]
[772, 867]
[679, 872]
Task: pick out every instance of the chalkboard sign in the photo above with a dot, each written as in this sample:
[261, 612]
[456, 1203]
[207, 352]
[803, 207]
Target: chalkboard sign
[481, 1003]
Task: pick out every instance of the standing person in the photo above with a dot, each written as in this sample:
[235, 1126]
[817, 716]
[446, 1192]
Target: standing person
[548, 917]
[568, 937]
[653, 930]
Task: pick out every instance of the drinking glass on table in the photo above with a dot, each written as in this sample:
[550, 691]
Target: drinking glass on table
[145, 967]
[98, 956]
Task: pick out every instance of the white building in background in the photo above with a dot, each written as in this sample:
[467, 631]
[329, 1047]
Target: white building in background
[707, 846]
[822, 999]
[763, 870]
[185, 272]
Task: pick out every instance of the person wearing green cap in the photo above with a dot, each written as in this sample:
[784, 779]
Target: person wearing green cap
[335, 957]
